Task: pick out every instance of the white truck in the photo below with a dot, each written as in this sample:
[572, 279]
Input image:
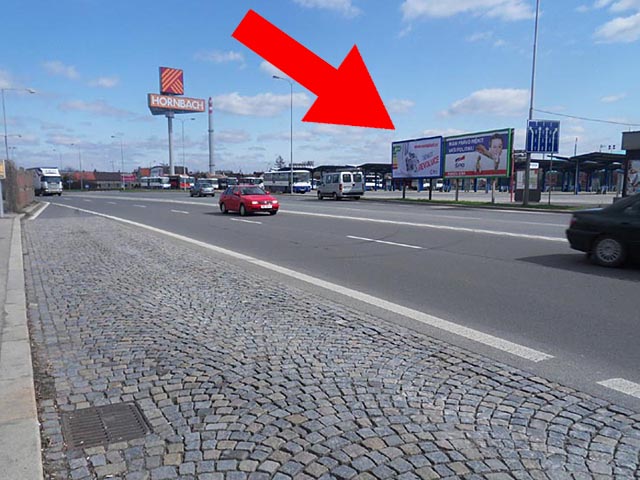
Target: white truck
[46, 181]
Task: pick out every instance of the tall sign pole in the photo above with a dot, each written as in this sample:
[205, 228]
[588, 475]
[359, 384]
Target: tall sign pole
[172, 168]
[171, 101]
[211, 164]
[525, 198]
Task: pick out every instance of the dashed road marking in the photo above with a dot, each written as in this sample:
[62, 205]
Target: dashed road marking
[245, 221]
[385, 242]
[139, 206]
[623, 386]
[180, 211]
[434, 226]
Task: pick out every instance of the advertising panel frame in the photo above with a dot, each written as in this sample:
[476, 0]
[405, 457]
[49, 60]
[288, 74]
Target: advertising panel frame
[479, 155]
[419, 165]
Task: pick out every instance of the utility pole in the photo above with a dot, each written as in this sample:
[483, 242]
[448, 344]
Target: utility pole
[527, 173]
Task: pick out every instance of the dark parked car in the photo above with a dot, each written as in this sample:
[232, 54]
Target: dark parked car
[247, 199]
[609, 235]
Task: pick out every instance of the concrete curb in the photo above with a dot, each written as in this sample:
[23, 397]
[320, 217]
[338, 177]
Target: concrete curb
[485, 207]
[20, 449]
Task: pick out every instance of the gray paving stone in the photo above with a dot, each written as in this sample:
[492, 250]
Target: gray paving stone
[234, 389]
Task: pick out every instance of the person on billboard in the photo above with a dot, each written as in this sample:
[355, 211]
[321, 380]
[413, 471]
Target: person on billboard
[496, 145]
[633, 179]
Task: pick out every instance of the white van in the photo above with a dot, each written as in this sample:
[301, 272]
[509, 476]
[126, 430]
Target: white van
[46, 181]
[338, 185]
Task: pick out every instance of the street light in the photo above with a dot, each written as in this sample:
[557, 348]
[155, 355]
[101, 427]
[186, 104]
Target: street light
[80, 163]
[182, 121]
[4, 114]
[59, 158]
[6, 142]
[527, 173]
[121, 158]
[291, 135]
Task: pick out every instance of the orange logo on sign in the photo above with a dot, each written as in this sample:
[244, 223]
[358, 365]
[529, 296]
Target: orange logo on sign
[171, 81]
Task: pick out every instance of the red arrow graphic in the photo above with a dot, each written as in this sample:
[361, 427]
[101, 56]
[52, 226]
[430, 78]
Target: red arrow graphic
[346, 96]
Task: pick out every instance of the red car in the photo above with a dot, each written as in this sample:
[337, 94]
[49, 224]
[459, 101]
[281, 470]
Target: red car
[247, 199]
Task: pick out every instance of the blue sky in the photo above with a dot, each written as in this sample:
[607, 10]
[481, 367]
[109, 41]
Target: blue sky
[441, 68]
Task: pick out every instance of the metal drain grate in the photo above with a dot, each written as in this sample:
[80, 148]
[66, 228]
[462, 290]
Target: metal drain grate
[90, 427]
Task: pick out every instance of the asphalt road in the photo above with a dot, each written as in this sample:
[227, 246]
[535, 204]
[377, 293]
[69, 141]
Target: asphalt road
[503, 273]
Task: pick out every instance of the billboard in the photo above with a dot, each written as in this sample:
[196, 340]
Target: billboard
[171, 81]
[161, 104]
[633, 178]
[419, 158]
[484, 154]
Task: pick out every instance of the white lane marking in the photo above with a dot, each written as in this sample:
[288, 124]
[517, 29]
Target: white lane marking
[245, 221]
[622, 385]
[396, 222]
[86, 200]
[385, 242]
[435, 227]
[469, 333]
[112, 203]
[140, 206]
[180, 211]
[45, 205]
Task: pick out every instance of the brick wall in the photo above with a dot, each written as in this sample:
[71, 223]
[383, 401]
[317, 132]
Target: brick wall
[17, 188]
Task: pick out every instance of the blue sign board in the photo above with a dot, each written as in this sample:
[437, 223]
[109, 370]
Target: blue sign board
[543, 136]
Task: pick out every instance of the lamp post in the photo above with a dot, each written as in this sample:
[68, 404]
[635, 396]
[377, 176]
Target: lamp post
[4, 114]
[80, 165]
[121, 159]
[6, 142]
[182, 121]
[10, 148]
[527, 173]
[291, 134]
[59, 158]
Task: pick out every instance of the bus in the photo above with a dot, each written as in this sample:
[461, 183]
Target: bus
[258, 181]
[155, 183]
[280, 181]
[181, 182]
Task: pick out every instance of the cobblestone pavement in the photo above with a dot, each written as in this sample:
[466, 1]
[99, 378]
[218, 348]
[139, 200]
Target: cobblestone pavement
[244, 378]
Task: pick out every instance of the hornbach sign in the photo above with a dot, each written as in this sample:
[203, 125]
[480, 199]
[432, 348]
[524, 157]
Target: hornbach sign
[163, 104]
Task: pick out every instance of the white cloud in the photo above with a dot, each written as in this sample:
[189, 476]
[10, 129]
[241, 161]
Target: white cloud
[217, 56]
[613, 98]
[271, 70]
[618, 6]
[400, 106]
[621, 29]
[5, 79]
[56, 67]
[233, 136]
[476, 37]
[445, 132]
[345, 7]
[510, 10]
[98, 107]
[105, 82]
[494, 101]
[262, 105]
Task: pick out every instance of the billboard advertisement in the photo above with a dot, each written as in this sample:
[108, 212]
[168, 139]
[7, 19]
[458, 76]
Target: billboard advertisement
[484, 154]
[419, 158]
[633, 179]
[161, 104]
